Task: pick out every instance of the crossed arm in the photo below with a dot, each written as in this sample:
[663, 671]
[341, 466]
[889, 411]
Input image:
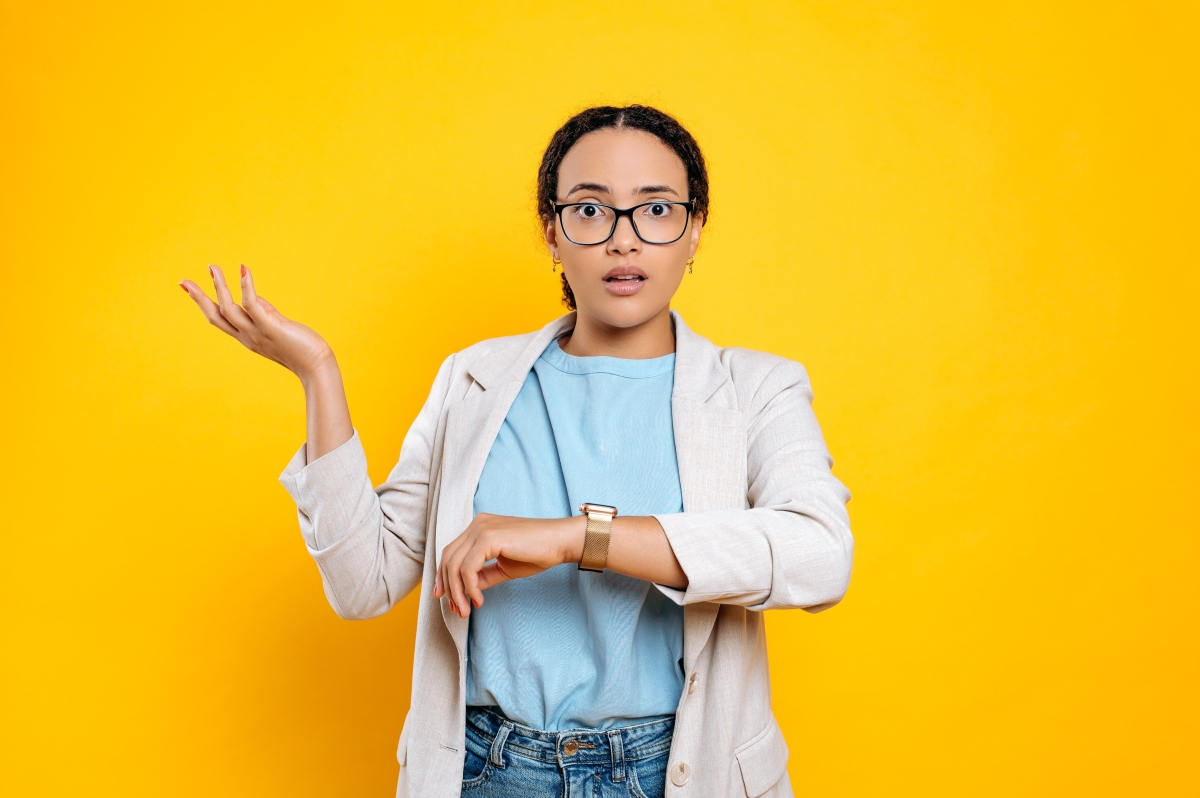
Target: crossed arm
[522, 547]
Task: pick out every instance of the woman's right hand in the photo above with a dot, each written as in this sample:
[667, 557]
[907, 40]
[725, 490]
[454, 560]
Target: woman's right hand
[262, 329]
[259, 327]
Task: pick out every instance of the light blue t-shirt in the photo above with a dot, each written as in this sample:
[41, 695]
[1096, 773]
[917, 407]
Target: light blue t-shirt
[567, 648]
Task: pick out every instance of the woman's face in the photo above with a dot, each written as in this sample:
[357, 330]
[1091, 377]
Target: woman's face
[624, 281]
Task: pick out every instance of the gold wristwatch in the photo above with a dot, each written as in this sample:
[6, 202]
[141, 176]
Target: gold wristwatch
[595, 539]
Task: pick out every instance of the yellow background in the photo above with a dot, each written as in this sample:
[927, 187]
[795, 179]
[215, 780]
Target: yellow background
[975, 223]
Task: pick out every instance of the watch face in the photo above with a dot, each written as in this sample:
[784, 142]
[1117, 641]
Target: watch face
[586, 508]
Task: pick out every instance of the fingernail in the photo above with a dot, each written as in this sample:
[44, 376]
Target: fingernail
[210, 273]
[243, 270]
[184, 287]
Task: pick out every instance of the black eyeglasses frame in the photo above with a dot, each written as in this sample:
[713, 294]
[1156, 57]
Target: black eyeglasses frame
[559, 207]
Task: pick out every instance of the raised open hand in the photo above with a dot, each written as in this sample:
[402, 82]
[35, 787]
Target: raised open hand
[259, 327]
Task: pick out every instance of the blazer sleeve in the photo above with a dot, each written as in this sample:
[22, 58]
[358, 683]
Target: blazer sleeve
[792, 547]
[368, 543]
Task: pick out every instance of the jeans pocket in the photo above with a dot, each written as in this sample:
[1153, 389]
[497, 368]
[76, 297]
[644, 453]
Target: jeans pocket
[477, 768]
[648, 777]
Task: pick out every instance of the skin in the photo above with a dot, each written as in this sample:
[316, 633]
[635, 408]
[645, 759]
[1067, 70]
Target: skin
[625, 318]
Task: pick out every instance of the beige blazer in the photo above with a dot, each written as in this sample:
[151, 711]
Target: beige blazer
[764, 527]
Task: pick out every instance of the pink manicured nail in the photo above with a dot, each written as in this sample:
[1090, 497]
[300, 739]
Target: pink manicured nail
[210, 273]
[243, 270]
[184, 287]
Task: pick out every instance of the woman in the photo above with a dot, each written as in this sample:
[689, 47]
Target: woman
[618, 649]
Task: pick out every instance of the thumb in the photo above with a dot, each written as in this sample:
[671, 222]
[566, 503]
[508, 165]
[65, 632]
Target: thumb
[491, 574]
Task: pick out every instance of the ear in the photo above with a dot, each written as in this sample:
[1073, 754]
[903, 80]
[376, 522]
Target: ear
[697, 228]
[550, 231]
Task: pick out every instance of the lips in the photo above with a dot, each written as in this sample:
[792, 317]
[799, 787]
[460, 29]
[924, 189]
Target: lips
[624, 273]
[624, 280]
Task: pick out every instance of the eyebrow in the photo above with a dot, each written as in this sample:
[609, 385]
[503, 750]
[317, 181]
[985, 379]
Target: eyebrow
[606, 190]
[589, 187]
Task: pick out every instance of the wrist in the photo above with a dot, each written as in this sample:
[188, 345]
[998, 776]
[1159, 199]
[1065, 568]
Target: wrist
[573, 530]
[322, 371]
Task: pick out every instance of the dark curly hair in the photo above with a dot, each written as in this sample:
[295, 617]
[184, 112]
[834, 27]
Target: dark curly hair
[636, 117]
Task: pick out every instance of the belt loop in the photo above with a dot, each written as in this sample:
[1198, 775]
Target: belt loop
[496, 755]
[618, 755]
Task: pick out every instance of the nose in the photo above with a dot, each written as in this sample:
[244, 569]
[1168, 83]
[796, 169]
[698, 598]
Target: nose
[624, 240]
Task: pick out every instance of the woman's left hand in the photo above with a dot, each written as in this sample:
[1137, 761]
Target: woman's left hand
[520, 547]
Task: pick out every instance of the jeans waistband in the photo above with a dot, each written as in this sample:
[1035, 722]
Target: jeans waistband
[570, 746]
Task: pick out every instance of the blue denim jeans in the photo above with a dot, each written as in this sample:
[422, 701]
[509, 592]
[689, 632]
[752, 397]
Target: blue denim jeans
[507, 760]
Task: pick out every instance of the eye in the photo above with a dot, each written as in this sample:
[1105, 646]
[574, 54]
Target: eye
[589, 211]
[658, 210]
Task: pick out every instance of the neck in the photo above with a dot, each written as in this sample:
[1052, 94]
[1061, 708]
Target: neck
[592, 337]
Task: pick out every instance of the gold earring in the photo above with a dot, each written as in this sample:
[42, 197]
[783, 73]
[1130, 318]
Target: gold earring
[689, 264]
[554, 264]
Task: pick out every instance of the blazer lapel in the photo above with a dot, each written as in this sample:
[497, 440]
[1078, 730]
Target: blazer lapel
[471, 427]
[710, 447]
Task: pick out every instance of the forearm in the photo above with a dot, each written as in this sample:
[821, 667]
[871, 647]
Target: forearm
[327, 412]
[796, 555]
[638, 547]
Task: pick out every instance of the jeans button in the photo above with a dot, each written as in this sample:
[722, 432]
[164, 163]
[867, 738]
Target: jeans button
[680, 772]
[570, 747]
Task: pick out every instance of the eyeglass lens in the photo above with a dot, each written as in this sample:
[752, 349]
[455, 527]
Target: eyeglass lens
[654, 222]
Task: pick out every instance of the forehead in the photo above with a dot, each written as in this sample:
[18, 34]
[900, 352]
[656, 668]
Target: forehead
[622, 159]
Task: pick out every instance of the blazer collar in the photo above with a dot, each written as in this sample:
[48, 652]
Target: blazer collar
[512, 360]
[699, 372]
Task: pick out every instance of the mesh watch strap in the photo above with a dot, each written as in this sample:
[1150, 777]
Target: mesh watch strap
[596, 536]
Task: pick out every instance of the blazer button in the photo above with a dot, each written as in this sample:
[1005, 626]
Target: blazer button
[680, 773]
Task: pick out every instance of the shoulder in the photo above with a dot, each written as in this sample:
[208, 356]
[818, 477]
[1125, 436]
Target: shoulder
[751, 378]
[495, 360]
[504, 347]
[760, 377]
[493, 356]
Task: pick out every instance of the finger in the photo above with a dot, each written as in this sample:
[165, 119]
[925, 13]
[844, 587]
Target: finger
[470, 576]
[250, 298]
[454, 583]
[232, 312]
[449, 598]
[439, 584]
[452, 558]
[443, 580]
[209, 308]
[459, 594]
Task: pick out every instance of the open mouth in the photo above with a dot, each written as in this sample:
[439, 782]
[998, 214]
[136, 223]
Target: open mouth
[624, 280]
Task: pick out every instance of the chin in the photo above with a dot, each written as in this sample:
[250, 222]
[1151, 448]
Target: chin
[623, 312]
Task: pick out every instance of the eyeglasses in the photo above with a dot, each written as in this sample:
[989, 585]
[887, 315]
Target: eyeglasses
[590, 223]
